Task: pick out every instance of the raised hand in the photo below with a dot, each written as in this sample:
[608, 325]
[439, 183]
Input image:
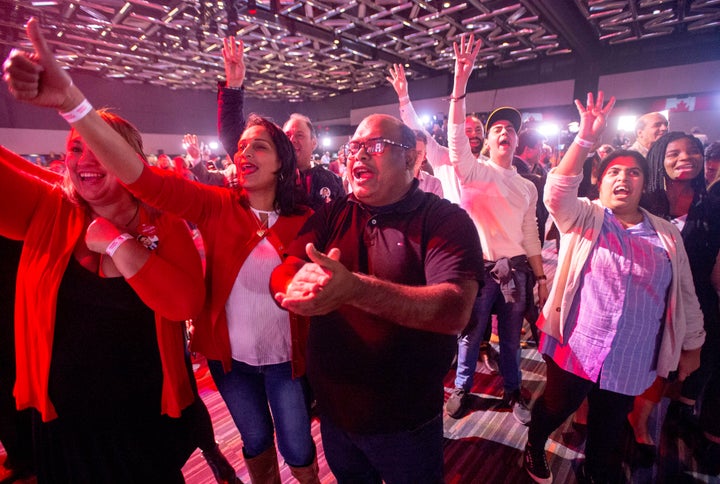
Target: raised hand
[593, 116]
[38, 78]
[465, 55]
[398, 80]
[192, 146]
[232, 53]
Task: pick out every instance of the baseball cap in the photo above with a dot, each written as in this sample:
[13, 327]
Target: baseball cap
[505, 113]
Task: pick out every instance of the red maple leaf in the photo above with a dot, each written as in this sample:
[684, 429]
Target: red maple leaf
[682, 106]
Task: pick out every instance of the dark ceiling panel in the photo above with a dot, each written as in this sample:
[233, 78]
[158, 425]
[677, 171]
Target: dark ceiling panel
[312, 50]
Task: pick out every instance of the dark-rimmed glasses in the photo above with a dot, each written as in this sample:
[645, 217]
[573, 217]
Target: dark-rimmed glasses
[373, 146]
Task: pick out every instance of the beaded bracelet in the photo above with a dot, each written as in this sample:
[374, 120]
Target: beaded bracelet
[457, 98]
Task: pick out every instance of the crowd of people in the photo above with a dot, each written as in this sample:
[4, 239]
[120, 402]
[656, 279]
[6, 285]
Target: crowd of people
[345, 287]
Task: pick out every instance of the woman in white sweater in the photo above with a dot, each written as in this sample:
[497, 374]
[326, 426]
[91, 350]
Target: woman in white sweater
[622, 309]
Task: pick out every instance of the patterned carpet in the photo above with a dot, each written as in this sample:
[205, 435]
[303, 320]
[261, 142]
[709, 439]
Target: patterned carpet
[484, 446]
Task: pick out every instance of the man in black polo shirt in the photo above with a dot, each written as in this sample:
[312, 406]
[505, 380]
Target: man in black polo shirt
[389, 275]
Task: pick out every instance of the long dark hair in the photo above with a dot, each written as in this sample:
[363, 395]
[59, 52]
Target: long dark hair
[290, 198]
[655, 199]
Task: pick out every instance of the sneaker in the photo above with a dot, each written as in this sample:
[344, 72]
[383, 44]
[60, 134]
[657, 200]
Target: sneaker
[536, 465]
[457, 403]
[519, 406]
[489, 357]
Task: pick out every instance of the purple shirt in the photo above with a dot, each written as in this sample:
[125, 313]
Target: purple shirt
[614, 325]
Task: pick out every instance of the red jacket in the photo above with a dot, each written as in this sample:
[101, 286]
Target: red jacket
[39, 213]
[230, 233]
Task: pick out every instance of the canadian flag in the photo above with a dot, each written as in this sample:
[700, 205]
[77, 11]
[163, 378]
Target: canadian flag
[680, 103]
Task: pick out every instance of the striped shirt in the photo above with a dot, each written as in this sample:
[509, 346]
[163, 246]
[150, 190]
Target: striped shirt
[614, 325]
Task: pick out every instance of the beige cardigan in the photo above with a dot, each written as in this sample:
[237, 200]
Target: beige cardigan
[579, 221]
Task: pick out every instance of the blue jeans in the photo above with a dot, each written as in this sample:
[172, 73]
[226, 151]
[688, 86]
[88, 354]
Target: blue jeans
[247, 390]
[413, 456]
[510, 320]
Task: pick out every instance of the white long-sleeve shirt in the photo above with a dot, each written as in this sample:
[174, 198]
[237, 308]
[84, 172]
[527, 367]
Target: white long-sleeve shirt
[500, 202]
[437, 154]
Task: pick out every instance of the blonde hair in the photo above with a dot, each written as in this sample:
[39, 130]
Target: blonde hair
[123, 127]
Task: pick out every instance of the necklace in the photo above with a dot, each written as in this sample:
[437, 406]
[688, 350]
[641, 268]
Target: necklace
[262, 221]
[137, 210]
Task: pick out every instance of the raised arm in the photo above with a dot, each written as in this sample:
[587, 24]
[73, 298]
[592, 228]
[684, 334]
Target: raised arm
[40, 80]
[231, 120]
[324, 285]
[437, 154]
[461, 155]
[593, 119]
[30, 168]
[465, 55]
[197, 164]
[232, 53]
[560, 197]
[20, 195]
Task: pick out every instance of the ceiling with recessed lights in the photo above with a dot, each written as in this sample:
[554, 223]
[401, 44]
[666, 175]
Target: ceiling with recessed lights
[311, 50]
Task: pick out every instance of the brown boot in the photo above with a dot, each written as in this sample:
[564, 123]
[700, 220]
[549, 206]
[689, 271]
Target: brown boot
[307, 474]
[264, 469]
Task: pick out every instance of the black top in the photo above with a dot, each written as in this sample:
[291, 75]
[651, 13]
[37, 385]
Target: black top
[371, 375]
[105, 383]
[105, 354]
[538, 177]
[322, 186]
[701, 236]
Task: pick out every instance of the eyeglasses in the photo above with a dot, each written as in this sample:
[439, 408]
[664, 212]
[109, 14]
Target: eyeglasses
[373, 146]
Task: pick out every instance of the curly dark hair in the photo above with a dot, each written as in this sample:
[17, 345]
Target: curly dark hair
[290, 198]
[655, 199]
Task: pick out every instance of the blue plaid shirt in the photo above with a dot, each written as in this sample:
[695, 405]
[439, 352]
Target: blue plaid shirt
[614, 325]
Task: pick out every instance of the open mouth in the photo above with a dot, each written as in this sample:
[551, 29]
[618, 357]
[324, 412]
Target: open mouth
[621, 190]
[248, 168]
[90, 176]
[361, 173]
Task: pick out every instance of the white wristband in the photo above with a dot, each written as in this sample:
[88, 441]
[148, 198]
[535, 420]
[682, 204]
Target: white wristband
[116, 243]
[583, 143]
[79, 112]
[404, 99]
